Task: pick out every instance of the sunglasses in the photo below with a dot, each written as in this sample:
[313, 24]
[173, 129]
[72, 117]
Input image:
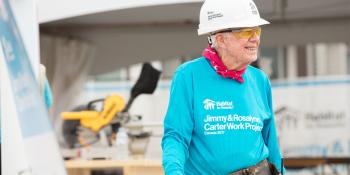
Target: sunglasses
[244, 33]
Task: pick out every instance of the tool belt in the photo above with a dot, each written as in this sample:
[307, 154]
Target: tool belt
[262, 168]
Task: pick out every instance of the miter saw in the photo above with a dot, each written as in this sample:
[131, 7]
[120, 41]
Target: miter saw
[86, 126]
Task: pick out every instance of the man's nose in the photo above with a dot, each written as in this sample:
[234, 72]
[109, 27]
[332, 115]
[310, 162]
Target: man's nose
[254, 38]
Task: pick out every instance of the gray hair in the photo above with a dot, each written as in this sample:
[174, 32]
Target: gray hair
[213, 41]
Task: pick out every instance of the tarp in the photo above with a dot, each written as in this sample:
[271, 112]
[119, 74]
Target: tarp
[313, 116]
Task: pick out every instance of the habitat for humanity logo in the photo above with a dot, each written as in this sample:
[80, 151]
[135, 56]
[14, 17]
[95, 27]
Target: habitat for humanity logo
[211, 104]
[253, 8]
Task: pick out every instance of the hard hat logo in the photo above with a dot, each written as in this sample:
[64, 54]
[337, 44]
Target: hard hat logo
[212, 15]
[218, 15]
[254, 9]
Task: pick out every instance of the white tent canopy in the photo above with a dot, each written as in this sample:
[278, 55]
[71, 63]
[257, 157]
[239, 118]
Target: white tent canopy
[127, 32]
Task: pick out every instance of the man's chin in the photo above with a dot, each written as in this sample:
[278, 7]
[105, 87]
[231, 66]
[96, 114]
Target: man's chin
[252, 59]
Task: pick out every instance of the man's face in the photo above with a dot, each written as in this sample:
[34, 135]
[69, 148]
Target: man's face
[243, 50]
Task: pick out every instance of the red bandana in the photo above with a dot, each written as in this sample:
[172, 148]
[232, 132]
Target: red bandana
[210, 54]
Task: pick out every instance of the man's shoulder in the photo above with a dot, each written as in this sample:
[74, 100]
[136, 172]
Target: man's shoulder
[257, 73]
[254, 69]
[192, 65]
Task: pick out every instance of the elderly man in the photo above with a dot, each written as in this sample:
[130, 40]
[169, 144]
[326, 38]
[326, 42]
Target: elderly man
[220, 117]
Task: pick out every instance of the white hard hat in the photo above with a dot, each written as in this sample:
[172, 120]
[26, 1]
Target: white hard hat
[216, 15]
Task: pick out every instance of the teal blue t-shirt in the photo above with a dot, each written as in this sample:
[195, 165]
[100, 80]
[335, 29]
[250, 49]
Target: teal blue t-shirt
[215, 125]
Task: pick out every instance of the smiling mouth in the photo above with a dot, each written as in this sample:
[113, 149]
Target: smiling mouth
[251, 49]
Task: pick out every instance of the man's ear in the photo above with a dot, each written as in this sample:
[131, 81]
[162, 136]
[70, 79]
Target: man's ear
[220, 40]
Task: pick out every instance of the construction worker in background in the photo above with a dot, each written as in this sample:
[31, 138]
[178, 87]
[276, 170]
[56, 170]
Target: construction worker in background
[220, 118]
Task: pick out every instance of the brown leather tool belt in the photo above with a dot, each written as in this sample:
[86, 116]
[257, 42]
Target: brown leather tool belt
[262, 168]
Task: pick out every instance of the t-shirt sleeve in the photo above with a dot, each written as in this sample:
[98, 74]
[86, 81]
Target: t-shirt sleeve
[178, 125]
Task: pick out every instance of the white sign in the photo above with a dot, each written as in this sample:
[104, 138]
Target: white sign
[41, 147]
[313, 117]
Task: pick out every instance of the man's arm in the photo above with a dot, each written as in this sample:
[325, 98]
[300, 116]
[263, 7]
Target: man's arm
[178, 125]
[270, 134]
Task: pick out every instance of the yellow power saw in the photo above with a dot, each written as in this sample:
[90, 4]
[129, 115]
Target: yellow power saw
[114, 112]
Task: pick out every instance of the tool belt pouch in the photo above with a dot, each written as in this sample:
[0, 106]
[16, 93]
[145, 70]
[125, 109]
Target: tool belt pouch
[262, 168]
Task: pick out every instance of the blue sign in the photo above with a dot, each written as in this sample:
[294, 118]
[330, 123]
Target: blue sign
[30, 108]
